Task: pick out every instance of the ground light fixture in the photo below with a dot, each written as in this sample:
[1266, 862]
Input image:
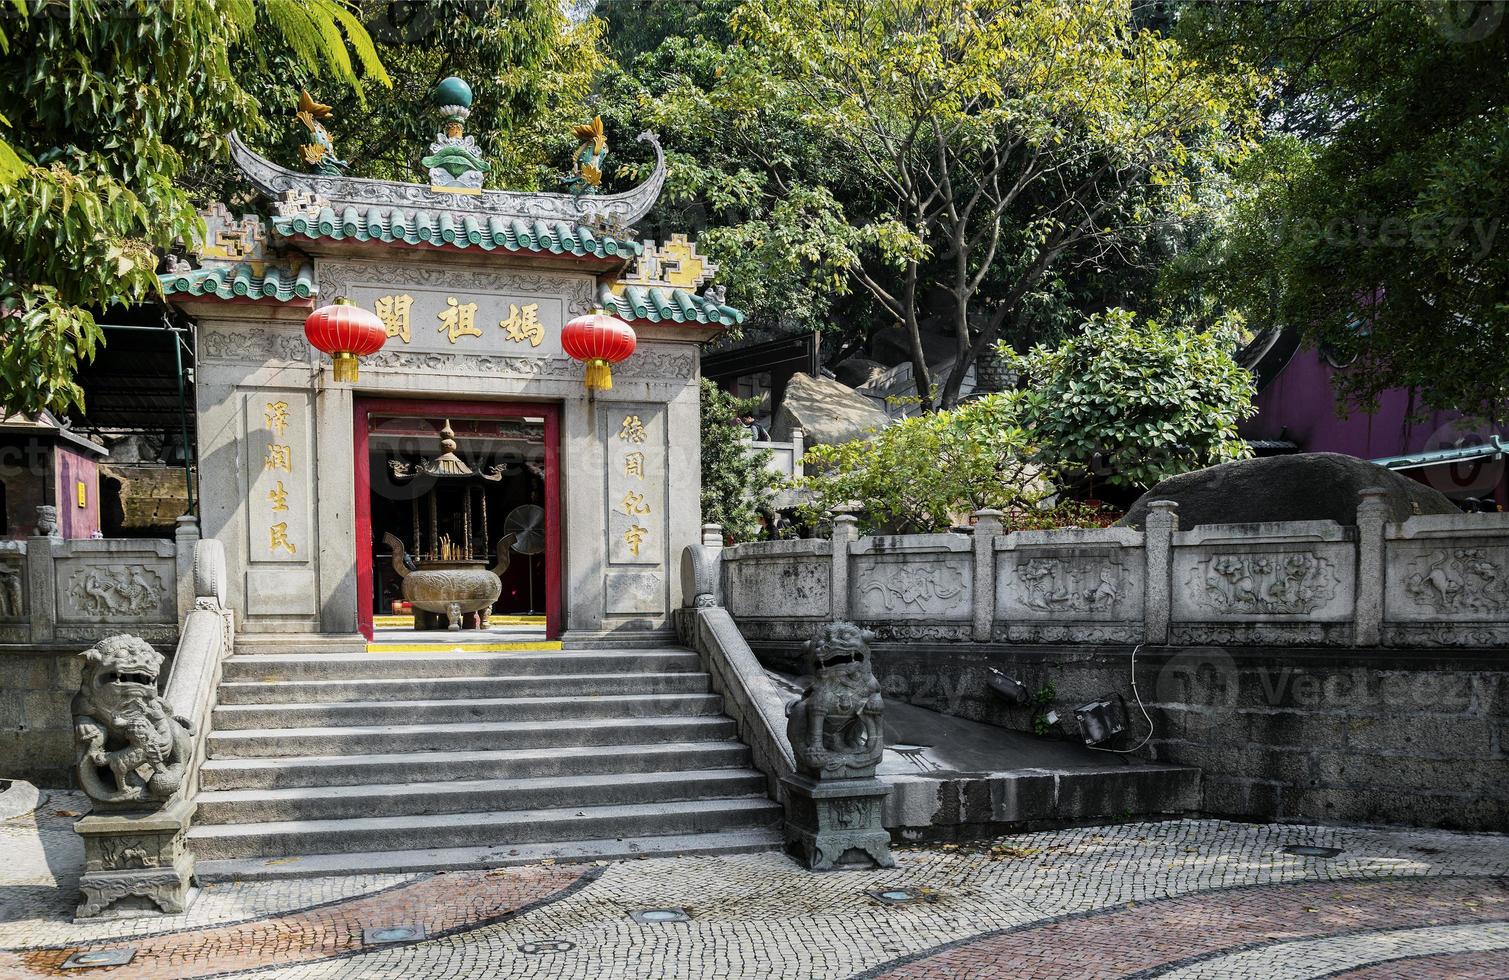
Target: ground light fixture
[406, 933]
[897, 896]
[95, 959]
[659, 917]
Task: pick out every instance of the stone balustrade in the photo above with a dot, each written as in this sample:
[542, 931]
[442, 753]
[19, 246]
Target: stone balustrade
[57, 591]
[1429, 581]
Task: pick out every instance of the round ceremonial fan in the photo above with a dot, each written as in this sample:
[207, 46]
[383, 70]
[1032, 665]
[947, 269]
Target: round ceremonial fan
[527, 525]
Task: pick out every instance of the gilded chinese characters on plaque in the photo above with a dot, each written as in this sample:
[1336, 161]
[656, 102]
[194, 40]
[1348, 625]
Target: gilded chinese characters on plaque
[278, 467]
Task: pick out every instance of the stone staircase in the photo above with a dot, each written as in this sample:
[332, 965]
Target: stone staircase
[333, 763]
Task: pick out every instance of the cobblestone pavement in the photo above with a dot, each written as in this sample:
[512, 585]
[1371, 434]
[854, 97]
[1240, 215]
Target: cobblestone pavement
[1191, 899]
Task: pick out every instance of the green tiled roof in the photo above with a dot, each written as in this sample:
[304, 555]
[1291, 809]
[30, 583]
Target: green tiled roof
[240, 280]
[658, 303]
[489, 233]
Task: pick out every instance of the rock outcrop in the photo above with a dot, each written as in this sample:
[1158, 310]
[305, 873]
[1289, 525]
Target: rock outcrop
[826, 411]
[1301, 487]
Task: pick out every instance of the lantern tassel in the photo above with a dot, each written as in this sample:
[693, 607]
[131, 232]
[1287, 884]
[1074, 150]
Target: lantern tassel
[345, 366]
[599, 375]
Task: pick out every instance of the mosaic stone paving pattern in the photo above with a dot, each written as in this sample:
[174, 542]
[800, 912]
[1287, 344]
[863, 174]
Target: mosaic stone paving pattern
[1192, 900]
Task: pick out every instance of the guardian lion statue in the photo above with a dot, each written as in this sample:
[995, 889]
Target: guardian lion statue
[835, 726]
[131, 746]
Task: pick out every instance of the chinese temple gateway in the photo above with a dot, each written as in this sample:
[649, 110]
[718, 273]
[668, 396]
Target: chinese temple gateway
[472, 289]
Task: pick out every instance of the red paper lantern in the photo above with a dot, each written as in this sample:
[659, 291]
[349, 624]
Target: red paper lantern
[600, 341]
[345, 332]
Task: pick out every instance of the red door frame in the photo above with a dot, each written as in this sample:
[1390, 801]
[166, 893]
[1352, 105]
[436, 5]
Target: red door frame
[364, 408]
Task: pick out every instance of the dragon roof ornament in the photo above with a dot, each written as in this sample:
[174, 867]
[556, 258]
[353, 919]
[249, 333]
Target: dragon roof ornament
[617, 210]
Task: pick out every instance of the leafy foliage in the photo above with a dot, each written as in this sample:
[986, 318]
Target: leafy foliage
[119, 101]
[1129, 403]
[530, 70]
[735, 481]
[929, 472]
[1372, 220]
[1000, 140]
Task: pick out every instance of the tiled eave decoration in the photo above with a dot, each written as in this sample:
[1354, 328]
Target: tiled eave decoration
[420, 227]
[660, 304]
[244, 280]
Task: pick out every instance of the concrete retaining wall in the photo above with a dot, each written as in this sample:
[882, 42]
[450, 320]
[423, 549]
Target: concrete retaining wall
[1312, 735]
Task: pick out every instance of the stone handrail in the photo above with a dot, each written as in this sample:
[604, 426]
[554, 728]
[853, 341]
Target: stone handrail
[57, 591]
[750, 697]
[203, 645]
[1429, 581]
[136, 858]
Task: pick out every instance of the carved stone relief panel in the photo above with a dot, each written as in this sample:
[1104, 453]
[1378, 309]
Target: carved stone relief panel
[1457, 580]
[790, 587]
[1308, 581]
[12, 588]
[254, 345]
[116, 592]
[1095, 585]
[911, 586]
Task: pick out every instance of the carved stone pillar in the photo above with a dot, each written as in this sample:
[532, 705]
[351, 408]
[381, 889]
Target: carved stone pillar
[845, 530]
[1372, 514]
[987, 527]
[40, 588]
[1158, 540]
[185, 536]
[136, 862]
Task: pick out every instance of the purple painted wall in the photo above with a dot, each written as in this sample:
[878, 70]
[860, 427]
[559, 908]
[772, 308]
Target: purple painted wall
[76, 520]
[1299, 405]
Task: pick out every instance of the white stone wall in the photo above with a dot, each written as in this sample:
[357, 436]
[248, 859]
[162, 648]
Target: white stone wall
[1429, 581]
[251, 357]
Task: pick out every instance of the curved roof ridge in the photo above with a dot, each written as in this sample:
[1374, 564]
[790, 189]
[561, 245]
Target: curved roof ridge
[623, 208]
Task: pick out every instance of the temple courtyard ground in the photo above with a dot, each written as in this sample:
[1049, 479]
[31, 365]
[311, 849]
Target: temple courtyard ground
[1188, 899]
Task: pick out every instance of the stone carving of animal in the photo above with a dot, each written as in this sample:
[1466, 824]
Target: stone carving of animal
[131, 746]
[835, 726]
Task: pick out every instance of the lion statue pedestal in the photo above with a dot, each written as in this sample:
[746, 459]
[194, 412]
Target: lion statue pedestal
[833, 801]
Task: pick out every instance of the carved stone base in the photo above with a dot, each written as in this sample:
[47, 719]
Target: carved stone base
[135, 863]
[835, 823]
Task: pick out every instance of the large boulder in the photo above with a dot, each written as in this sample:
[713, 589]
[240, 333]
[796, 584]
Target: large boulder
[1301, 487]
[827, 412]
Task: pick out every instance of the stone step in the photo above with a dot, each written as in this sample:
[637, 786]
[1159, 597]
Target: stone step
[370, 739]
[564, 710]
[450, 663]
[347, 770]
[507, 828]
[410, 688]
[466, 796]
[496, 856]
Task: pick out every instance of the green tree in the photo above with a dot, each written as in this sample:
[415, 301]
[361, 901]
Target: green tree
[1128, 403]
[1371, 221]
[1002, 141]
[735, 482]
[108, 106]
[530, 70]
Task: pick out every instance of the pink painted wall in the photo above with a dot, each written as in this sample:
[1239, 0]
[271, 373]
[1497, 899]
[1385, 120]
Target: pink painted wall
[74, 468]
[1299, 405]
